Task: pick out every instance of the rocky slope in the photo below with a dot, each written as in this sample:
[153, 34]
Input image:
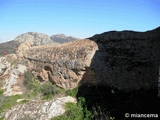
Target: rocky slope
[38, 109]
[11, 75]
[37, 38]
[61, 38]
[126, 60]
[123, 60]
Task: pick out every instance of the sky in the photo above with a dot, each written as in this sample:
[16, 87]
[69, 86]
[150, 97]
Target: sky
[79, 18]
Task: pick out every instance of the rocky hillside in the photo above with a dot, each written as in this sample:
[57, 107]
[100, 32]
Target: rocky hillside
[37, 38]
[126, 60]
[9, 47]
[116, 70]
[61, 38]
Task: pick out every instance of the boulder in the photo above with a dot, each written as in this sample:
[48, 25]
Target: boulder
[13, 83]
[22, 49]
[38, 109]
[63, 64]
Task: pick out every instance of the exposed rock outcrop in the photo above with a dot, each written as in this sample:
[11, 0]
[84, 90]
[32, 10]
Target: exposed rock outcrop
[11, 75]
[36, 38]
[126, 60]
[38, 110]
[63, 64]
[23, 48]
[13, 84]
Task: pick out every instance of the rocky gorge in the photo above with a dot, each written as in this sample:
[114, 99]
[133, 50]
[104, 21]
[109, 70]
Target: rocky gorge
[106, 64]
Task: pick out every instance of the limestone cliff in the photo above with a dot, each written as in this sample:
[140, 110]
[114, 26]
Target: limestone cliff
[63, 64]
[126, 60]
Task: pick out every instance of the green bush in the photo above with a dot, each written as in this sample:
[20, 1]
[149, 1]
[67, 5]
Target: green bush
[73, 92]
[29, 81]
[13, 63]
[1, 92]
[76, 111]
[48, 90]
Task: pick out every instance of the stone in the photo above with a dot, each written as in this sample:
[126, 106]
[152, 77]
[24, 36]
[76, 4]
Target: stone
[13, 83]
[39, 110]
[63, 64]
[22, 49]
[11, 58]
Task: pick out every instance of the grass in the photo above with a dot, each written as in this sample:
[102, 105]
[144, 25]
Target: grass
[7, 102]
[24, 101]
[13, 63]
[72, 92]
[75, 111]
[2, 118]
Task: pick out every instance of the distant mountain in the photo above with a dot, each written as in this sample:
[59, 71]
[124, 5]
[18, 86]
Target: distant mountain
[61, 38]
[37, 38]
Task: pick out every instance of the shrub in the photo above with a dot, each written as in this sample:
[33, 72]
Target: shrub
[76, 111]
[1, 92]
[29, 81]
[72, 92]
[48, 90]
[13, 63]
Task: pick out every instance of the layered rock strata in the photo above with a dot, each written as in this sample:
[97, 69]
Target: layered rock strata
[64, 64]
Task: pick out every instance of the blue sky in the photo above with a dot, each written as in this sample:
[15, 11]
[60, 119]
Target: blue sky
[79, 18]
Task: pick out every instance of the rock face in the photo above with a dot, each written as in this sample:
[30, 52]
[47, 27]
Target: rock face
[63, 64]
[23, 48]
[36, 38]
[11, 75]
[126, 60]
[38, 110]
[61, 38]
